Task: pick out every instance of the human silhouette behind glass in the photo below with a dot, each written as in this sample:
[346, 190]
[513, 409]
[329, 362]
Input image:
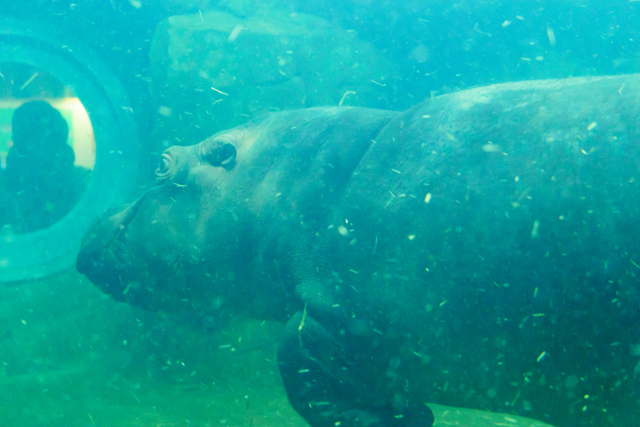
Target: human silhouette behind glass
[41, 183]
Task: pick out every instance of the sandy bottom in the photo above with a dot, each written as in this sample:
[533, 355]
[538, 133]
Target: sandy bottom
[69, 398]
[72, 357]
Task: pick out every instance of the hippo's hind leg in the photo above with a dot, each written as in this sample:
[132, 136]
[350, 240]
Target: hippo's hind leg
[323, 384]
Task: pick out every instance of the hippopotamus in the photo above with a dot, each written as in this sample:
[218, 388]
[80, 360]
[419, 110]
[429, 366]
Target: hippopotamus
[478, 249]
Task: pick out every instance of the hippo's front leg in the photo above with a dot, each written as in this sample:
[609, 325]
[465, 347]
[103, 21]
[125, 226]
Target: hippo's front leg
[325, 386]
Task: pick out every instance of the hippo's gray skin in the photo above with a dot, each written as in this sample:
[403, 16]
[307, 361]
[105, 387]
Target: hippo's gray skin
[430, 254]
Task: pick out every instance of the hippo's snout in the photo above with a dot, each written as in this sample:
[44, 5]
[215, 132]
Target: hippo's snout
[100, 237]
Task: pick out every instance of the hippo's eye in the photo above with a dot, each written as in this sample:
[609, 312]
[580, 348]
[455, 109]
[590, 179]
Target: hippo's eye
[221, 152]
[164, 166]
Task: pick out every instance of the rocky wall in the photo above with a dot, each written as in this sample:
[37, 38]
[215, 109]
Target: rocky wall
[212, 71]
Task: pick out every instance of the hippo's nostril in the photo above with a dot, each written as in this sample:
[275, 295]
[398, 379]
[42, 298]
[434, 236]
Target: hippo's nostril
[164, 166]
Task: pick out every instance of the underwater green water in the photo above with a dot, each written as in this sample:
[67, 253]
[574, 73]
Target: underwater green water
[72, 357]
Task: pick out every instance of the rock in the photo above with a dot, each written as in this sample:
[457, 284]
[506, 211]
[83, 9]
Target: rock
[171, 7]
[213, 70]
[250, 7]
[450, 416]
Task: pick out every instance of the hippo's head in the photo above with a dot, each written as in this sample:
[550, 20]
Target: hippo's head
[229, 220]
[152, 252]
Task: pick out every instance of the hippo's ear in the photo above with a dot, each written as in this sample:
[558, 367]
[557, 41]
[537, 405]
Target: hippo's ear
[219, 152]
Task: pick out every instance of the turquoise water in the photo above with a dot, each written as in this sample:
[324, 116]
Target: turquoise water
[71, 356]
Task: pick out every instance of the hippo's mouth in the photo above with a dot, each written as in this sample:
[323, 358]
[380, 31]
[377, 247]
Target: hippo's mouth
[103, 257]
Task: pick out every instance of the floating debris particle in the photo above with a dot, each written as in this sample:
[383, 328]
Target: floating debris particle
[540, 58]
[164, 111]
[343, 230]
[552, 36]
[379, 84]
[426, 116]
[519, 17]
[477, 29]
[542, 355]
[534, 230]
[427, 198]
[347, 93]
[506, 23]
[29, 81]
[592, 126]
[491, 148]
[235, 33]
[411, 236]
[620, 90]
[219, 91]
[395, 170]
[301, 325]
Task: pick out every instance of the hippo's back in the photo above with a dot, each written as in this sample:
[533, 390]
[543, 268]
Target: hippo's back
[488, 226]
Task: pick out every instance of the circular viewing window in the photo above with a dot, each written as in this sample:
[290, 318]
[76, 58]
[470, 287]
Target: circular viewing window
[47, 130]
[68, 148]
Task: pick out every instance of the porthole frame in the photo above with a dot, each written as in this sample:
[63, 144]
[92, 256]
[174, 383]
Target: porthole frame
[54, 249]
